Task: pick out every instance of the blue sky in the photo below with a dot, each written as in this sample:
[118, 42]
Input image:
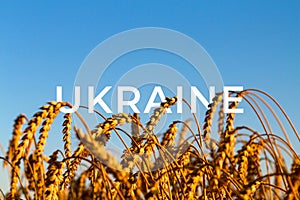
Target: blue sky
[42, 44]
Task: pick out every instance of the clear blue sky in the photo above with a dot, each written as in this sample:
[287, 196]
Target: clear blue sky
[42, 44]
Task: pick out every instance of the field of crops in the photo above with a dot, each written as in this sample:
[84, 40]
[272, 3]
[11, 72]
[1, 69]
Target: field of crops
[231, 162]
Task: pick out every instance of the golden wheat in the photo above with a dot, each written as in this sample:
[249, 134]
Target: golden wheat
[241, 164]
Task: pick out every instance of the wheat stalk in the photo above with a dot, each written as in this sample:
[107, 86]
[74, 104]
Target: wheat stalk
[241, 163]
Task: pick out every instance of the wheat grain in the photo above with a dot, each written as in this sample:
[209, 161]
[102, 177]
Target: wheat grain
[243, 166]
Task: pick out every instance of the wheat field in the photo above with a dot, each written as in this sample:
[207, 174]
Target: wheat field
[230, 162]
